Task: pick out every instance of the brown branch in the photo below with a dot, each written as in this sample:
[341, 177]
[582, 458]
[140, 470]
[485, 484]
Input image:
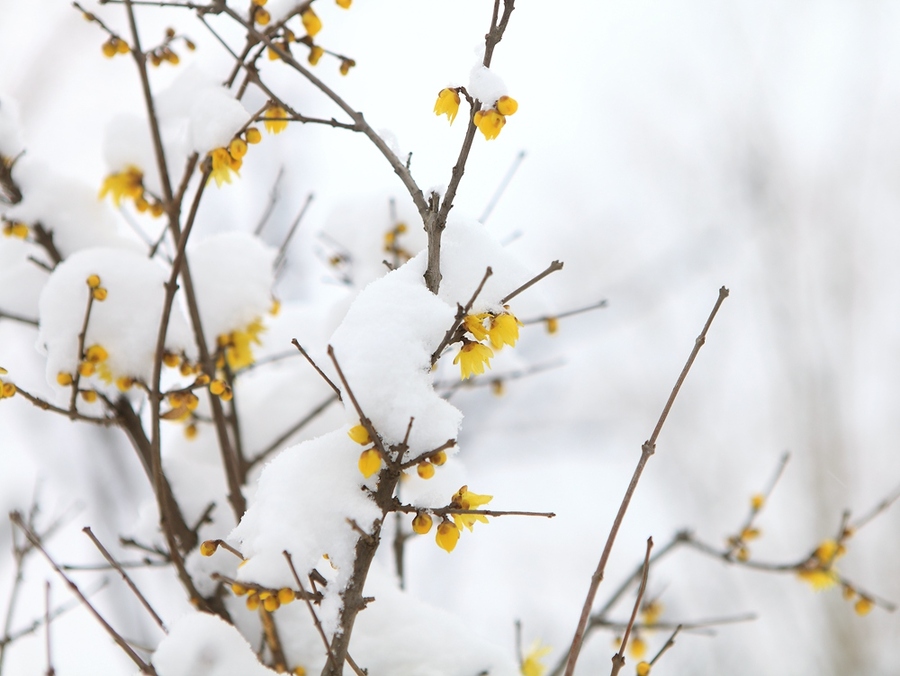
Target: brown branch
[328, 380]
[461, 312]
[45, 239]
[553, 267]
[131, 585]
[50, 670]
[47, 406]
[618, 660]
[18, 318]
[312, 611]
[282, 250]
[567, 313]
[312, 415]
[76, 377]
[145, 668]
[647, 449]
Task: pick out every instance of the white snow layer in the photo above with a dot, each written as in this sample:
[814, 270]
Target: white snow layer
[485, 86]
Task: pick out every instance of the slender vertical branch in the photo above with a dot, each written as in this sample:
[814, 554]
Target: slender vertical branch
[647, 449]
[618, 659]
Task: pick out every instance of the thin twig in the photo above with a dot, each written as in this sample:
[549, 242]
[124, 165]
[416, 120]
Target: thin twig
[568, 313]
[312, 611]
[145, 668]
[131, 585]
[553, 267]
[461, 312]
[18, 318]
[647, 449]
[618, 660]
[312, 415]
[502, 187]
[328, 380]
[282, 250]
[270, 204]
[50, 670]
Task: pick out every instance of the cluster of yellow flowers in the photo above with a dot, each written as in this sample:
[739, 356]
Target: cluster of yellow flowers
[129, 185]
[392, 243]
[448, 531]
[227, 160]
[370, 459]
[235, 348]
[489, 121]
[115, 46]
[820, 573]
[16, 229]
[312, 24]
[7, 390]
[501, 329]
[165, 53]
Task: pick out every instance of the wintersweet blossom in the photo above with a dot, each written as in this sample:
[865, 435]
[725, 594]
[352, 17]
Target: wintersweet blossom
[238, 345]
[369, 462]
[6, 389]
[422, 523]
[128, 184]
[222, 165]
[311, 22]
[274, 122]
[345, 4]
[531, 665]
[472, 359]
[20, 230]
[465, 499]
[447, 535]
[504, 330]
[819, 571]
[507, 105]
[360, 435]
[475, 325]
[447, 104]
[489, 123]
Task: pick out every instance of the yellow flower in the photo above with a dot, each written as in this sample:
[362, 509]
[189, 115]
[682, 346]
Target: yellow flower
[222, 165]
[273, 123]
[504, 330]
[757, 501]
[489, 122]
[475, 325]
[369, 462]
[99, 294]
[237, 344]
[638, 648]
[819, 578]
[128, 184]
[465, 499]
[7, 390]
[208, 547]
[253, 135]
[642, 669]
[345, 4]
[19, 230]
[651, 611]
[425, 469]
[96, 354]
[315, 53]
[311, 22]
[262, 17]
[552, 324]
[346, 65]
[438, 458]
[285, 595]
[863, 606]
[360, 435]
[447, 104]
[472, 359]
[531, 665]
[506, 105]
[237, 148]
[447, 535]
[422, 523]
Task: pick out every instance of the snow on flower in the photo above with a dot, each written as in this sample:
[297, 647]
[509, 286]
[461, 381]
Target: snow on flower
[125, 324]
[485, 85]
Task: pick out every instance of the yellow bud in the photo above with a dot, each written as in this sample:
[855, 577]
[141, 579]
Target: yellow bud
[201, 380]
[447, 535]
[285, 595]
[125, 383]
[315, 53]
[346, 65]
[208, 547]
[86, 369]
[237, 148]
[438, 458]
[757, 501]
[109, 49]
[238, 589]
[743, 554]
[190, 431]
[552, 324]
[369, 462]
[360, 435]
[299, 671]
[100, 294]
[506, 105]
[262, 17]
[311, 22]
[64, 378]
[8, 390]
[227, 395]
[497, 388]
[863, 606]
[425, 469]
[252, 601]
[276, 307]
[96, 354]
[156, 210]
[141, 204]
[171, 360]
[750, 533]
[191, 401]
[190, 45]
[638, 648]
[848, 592]
[88, 395]
[642, 669]
[253, 136]
[421, 524]
[345, 4]
[93, 281]
[122, 47]
[217, 387]
[271, 604]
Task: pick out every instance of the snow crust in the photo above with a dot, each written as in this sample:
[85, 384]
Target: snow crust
[485, 86]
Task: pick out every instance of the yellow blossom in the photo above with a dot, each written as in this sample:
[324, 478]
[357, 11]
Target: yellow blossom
[447, 535]
[475, 325]
[651, 611]
[315, 53]
[63, 378]
[465, 499]
[472, 359]
[863, 606]
[531, 665]
[262, 17]
[285, 595]
[638, 648]
[128, 184]
[222, 165]
[253, 601]
[447, 104]
[757, 501]
[253, 136]
[273, 119]
[642, 669]
[19, 230]
[345, 4]
[819, 578]
[124, 383]
[438, 458]
[217, 387]
[360, 435]
[208, 547]
[422, 523]
[369, 462]
[238, 350]
[504, 330]
[238, 589]
[489, 123]
[552, 324]
[7, 390]
[425, 470]
[311, 22]
[271, 603]
[237, 148]
[191, 431]
[90, 396]
[96, 354]
[99, 294]
[171, 360]
[506, 105]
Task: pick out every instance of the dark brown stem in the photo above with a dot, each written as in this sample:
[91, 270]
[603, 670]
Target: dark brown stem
[328, 380]
[553, 267]
[618, 660]
[312, 415]
[647, 449]
[461, 312]
[45, 239]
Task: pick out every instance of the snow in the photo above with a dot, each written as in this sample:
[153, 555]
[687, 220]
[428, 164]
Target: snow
[199, 643]
[485, 86]
[11, 141]
[126, 324]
